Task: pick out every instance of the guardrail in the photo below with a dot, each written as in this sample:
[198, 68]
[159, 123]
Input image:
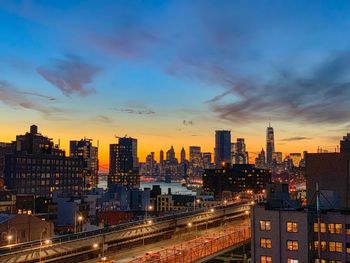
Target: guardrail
[198, 248]
[81, 243]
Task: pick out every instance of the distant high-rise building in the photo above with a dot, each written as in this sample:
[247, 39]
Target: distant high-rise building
[270, 145]
[150, 164]
[239, 154]
[277, 157]
[222, 147]
[123, 163]
[161, 157]
[195, 156]
[296, 158]
[39, 167]
[170, 154]
[183, 155]
[89, 153]
[206, 160]
[260, 159]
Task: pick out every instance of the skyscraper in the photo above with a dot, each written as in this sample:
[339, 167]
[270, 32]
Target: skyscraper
[123, 163]
[183, 155]
[161, 157]
[195, 156]
[239, 154]
[270, 145]
[89, 153]
[222, 147]
[170, 154]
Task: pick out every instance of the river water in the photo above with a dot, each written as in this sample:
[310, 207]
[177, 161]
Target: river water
[176, 188]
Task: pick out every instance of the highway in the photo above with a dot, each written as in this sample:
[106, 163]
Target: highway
[85, 245]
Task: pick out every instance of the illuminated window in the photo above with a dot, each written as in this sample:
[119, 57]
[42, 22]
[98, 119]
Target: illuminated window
[348, 248]
[265, 259]
[323, 227]
[335, 228]
[292, 245]
[335, 246]
[347, 227]
[323, 245]
[292, 227]
[318, 261]
[265, 243]
[265, 225]
[291, 260]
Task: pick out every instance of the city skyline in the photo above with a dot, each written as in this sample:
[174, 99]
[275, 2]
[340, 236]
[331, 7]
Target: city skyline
[142, 156]
[126, 73]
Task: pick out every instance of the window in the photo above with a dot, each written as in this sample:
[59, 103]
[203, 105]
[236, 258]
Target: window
[292, 227]
[265, 259]
[348, 248]
[292, 245]
[335, 246]
[323, 227]
[323, 245]
[291, 260]
[335, 261]
[265, 243]
[347, 228]
[265, 225]
[318, 261]
[335, 228]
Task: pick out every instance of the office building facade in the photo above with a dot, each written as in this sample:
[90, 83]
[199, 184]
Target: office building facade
[123, 164]
[222, 147]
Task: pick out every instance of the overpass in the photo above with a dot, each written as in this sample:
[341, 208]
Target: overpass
[90, 244]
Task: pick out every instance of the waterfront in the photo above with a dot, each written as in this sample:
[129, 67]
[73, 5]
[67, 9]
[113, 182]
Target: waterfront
[176, 188]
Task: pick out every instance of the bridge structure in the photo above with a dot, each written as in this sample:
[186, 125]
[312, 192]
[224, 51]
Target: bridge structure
[93, 244]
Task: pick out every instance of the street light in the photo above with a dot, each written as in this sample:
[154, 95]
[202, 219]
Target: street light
[80, 218]
[95, 245]
[206, 223]
[189, 224]
[148, 208]
[194, 203]
[9, 238]
[225, 202]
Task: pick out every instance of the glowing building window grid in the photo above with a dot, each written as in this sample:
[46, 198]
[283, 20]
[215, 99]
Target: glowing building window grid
[265, 225]
[265, 259]
[292, 245]
[292, 227]
[265, 243]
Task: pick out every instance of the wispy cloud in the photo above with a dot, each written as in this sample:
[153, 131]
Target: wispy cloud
[297, 138]
[20, 99]
[136, 111]
[322, 96]
[103, 119]
[71, 75]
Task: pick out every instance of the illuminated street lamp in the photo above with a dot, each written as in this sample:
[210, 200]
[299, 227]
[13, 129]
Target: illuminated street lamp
[9, 238]
[252, 202]
[77, 221]
[95, 245]
[194, 203]
[189, 224]
[225, 202]
[212, 210]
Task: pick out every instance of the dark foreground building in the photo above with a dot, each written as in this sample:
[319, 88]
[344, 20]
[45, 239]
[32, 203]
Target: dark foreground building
[235, 179]
[39, 167]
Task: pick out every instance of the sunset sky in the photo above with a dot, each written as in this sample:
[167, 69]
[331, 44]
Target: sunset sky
[172, 72]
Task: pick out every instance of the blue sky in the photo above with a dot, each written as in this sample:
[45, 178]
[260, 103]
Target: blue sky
[145, 67]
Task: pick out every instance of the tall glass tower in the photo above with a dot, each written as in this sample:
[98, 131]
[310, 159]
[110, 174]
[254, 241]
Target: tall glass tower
[270, 145]
[222, 147]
